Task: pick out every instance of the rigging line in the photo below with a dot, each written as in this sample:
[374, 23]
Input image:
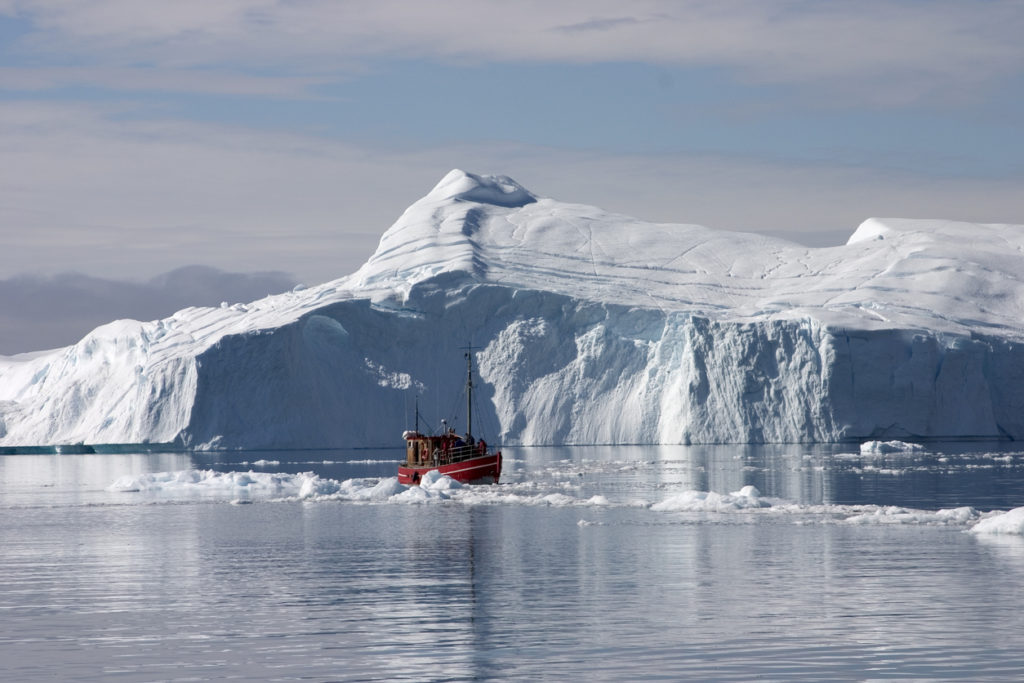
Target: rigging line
[488, 424]
[453, 411]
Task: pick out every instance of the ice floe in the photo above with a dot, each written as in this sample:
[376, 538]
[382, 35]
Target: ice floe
[435, 488]
[1002, 523]
[879, 447]
[747, 497]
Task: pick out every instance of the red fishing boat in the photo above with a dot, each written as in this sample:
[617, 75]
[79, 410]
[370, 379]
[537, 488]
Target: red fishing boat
[463, 458]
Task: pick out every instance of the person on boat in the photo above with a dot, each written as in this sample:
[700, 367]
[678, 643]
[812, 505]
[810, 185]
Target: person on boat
[481, 446]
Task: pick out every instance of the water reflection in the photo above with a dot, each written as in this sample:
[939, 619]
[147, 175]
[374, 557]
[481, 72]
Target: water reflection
[987, 476]
[100, 584]
[78, 479]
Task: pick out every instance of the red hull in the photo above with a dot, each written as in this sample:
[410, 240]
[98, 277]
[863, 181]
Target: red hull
[484, 469]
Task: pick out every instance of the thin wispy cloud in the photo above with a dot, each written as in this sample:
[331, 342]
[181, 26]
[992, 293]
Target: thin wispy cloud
[873, 46]
[155, 79]
[605, 24]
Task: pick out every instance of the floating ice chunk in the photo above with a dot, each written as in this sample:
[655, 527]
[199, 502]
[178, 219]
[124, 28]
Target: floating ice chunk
[891, 514]
[435, 481]
[558, 500]
[709, 501]
[126, 484]
[211, 482]
[313, 486]
[213, 444]
[418, 494]
[1005, 523]
[266, 485]
[386, 488]
[879, 447]
[960, 515]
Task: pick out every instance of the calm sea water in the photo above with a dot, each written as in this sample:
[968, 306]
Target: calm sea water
[585, 563]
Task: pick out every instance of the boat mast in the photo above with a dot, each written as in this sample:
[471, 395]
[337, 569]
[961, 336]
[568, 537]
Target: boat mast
[469, 394]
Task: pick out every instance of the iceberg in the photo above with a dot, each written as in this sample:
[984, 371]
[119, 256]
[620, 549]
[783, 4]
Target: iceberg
[1001, 523]
[590, 327]
[883, 447]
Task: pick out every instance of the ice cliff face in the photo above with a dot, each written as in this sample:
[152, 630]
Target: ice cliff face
[590, 328]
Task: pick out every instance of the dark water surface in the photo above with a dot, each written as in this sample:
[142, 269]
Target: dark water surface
[585, 563]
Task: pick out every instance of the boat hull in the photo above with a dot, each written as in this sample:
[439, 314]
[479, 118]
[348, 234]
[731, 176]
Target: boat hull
[484, 469]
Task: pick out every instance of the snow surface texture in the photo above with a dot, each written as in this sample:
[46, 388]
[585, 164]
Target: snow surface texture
[591, 328]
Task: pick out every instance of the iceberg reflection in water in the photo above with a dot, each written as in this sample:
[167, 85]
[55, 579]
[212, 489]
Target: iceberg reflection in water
[725, 563]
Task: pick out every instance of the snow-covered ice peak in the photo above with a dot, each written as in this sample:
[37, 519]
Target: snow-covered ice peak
[871, 229]
[490, 228]
[892, 273]
[440, 232]
[461, 185]
[985, 237]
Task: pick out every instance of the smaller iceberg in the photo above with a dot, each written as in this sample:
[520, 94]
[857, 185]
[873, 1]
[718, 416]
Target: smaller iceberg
[880, 447]
[1005, 523]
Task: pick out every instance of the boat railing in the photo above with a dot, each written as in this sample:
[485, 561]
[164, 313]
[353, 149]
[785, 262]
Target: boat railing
[458, 454]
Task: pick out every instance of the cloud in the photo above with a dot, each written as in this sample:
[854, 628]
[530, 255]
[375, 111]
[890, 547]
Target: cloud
[48, 312]
[606, 24]
[81, 186]
[150, 79]
[880, 50]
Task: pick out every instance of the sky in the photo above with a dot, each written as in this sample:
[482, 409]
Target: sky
[273, 141]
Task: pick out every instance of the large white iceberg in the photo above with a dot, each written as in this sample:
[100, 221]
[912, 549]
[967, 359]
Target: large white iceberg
[591, 328]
